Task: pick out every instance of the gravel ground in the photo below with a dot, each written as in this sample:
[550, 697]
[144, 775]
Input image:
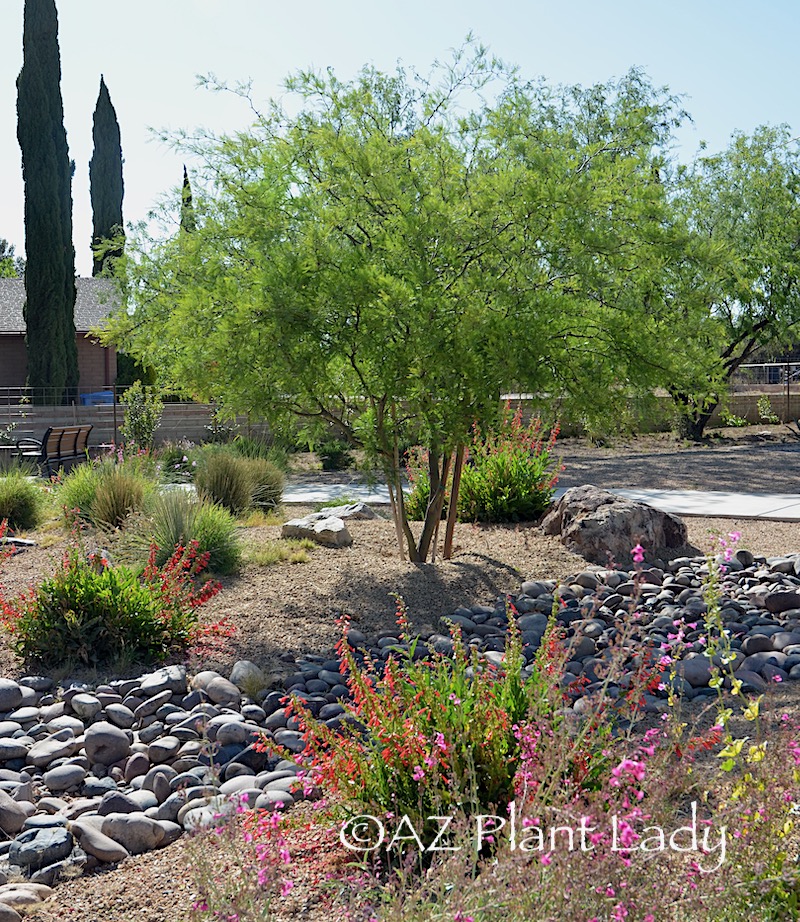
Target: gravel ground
[293, 608]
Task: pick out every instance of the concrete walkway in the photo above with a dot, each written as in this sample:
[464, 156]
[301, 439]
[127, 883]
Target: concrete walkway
[780, 507]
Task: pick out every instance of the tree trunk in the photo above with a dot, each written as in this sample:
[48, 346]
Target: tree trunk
[452, 511]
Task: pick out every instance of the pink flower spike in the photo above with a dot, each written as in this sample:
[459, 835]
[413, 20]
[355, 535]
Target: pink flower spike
[638, 553]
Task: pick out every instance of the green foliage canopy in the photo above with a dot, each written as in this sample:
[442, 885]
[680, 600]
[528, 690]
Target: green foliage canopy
[392, 258]
[745, 203]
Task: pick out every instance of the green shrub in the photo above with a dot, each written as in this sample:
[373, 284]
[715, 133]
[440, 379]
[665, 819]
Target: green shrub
[511, 474]
[334, 454]
[142, 415]
[21, 501]
[765, 412]
[266, 483]
[107, 492]
[224, 478]
[176, 518]
[93, 613]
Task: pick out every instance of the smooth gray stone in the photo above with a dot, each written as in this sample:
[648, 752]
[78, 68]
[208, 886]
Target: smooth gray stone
[120, 716]
[106, 743]
[64, 777]
[10, 695]
[135, 831]
[38, 848]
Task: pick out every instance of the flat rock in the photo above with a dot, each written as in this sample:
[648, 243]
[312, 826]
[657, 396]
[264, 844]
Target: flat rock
[332, 532]
[60, 745]
[38, 848]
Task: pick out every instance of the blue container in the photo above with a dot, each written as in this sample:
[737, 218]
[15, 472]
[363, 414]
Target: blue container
[98, 398]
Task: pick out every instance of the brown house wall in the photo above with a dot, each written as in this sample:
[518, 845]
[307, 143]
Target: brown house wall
[98, 366]
[13, 361]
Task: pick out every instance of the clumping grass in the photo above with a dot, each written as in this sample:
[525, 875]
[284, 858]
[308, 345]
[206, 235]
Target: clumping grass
[108, 491]
[282, 550]
[21, 501]
[177, 518]
[258, 518]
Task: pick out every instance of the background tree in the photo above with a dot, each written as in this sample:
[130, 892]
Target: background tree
[11, 266]
[387, 263]
[50, 256]
[745, 203]
[106, 187]
[188, 219]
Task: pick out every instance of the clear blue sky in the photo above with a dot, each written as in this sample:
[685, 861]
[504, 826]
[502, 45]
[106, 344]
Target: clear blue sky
[736, 61]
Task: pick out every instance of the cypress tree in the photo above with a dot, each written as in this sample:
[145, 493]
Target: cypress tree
[188, 220]
[46, 169]
[105, 182]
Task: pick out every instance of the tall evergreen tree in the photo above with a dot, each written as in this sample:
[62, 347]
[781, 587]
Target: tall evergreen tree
[105, 183]
[50, 270]
[188, 220]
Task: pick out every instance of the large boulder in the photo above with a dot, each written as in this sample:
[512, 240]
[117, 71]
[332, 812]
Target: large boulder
[600, 525]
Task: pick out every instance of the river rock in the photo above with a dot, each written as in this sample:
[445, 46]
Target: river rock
[106, 744]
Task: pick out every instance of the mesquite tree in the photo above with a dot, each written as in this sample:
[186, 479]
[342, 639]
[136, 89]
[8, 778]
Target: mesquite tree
[387, 263]
[50, 255]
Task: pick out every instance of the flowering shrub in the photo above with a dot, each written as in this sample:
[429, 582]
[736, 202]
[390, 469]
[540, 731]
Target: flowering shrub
[428, 736]
[509, 475]
[92, 612]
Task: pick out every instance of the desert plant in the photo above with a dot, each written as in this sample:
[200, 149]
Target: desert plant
[236, 482]
[118, 495]
[177, 462]
[289, 550]
[177, 518]
[93, 613]
[142, 415]
[105, 492]
[511, 474]
[335, 454]
[266, 483]
[21, 501]
[727, 418]
[224, 478]
[765, 412]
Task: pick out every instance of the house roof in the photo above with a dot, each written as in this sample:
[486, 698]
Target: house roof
[96, 300]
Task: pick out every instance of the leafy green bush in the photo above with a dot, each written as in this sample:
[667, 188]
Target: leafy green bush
[21, 501]
[106, 492]
[176, 518]
[142, 415]
[334, 454]
[94, 613]
[511, 474]
[765, 412]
